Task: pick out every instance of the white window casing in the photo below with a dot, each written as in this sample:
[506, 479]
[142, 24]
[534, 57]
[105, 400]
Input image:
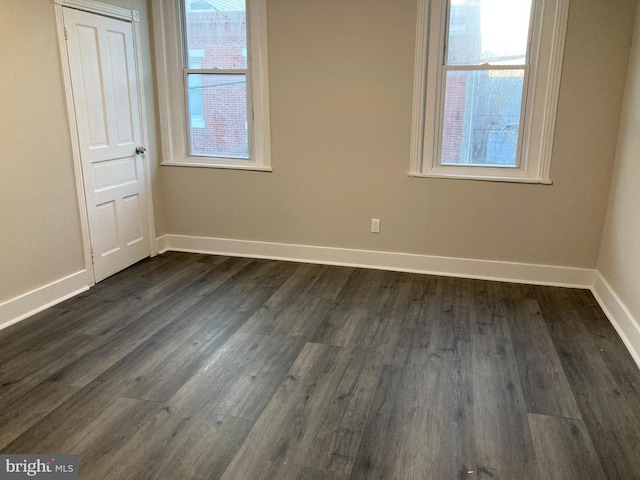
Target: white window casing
[172, 88]
[540, 99]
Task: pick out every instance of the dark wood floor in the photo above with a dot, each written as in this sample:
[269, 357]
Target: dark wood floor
[194, 367]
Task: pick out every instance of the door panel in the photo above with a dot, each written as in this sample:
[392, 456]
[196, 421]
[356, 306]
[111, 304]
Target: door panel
[105, 93]
[89, 87]
[115, 173]
[124, 128]
[107, 238]
[131, 221]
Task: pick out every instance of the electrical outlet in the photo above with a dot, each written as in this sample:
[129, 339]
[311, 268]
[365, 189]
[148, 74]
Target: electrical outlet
[375, 225]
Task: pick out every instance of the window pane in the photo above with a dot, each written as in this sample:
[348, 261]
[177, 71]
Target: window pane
[195, 96]
[217, 32]
[482, 117]
[488, 31]
[222, 132]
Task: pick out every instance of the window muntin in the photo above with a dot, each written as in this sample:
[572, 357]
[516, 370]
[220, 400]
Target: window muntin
[216, 78]
[528, 66]
[181, 64]
[483, 79]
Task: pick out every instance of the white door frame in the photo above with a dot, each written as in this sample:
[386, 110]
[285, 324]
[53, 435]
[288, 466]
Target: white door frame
[133, 17]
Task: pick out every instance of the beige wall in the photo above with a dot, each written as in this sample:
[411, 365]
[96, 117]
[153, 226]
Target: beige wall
[39, 216]
[41, 239]
[341, 74]
[341, 77]
[619, 261]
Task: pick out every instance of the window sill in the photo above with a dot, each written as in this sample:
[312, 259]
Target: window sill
[534, 181]
[251, 167]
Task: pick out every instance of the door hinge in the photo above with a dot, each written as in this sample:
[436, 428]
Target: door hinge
[93, 258]
[66, 33]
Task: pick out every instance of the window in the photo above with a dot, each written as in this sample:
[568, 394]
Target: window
[213, 83]
[486, 88]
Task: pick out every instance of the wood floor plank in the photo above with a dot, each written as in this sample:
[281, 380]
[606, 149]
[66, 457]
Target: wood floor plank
[188, 366]
[170, 446]
[363, 295]
[560, 316]
[248, 292]
[63, 324]
[582, 297]
[203, 449]
[197, 299]
[408, 338]
[48, 359]
[399, 329]
[489, 316]
[300, 317]
[103, 419]
[424, 415]
[118, 312]
[316, 417]
[337, 437]
[57, 351]
[162, 381]
[138, 341]
[135, 280]
[612, 425]
[504, 446]
[76, 334]
[518, 291]
[13, 389]
[410, 312]
[300, 303]
[109, 431]
[251, 391]
[451, 333]
[241, 377]
[395, 414]
[564, 449]
[263, 455]
[420, 425]
[490, 292]
[116, 380]
[310, 281]
[544, 384]
[613, 352]
[22, 413]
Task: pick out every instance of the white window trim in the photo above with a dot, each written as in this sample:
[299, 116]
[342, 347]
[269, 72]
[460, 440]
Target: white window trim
[540, 117]
[172, 102]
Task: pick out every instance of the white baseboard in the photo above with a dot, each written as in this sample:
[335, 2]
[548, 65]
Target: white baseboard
[403, 262]
[619, 315]
[627, 327]
[163, 243]
[30, 303]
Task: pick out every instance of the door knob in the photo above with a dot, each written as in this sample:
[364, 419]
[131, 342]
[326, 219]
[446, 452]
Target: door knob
[140, 150]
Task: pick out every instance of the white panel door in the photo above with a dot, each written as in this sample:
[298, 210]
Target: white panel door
[105, 94]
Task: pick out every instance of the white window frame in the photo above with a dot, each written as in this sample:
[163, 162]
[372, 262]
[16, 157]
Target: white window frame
[173, 104]
[538, 126]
